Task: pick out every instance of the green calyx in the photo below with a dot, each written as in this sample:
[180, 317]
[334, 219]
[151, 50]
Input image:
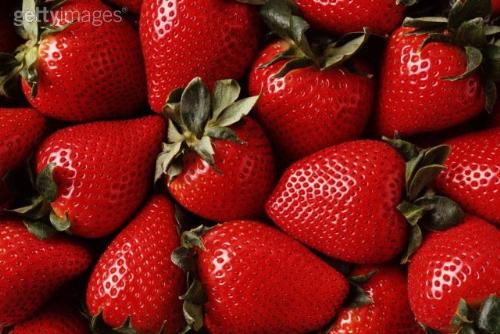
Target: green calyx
[23, 63]
[99, 326]
[195, 117]
[38, 215]
[467, 26]
[421, 206]
[185, 257]
[358, 296]
[285, 20]
[484, 319]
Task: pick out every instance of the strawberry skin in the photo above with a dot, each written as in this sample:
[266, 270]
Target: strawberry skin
[259, 280]
[389, 312]
[461, 262]
[342, 201]
[89, 71]
[135, 276]
[34, 268]
[183, 39]
[103, 171]
[20, 131]
[472, 177]
[56, 318]
[413, 95]
[238, 187]
[308, 109]
[342, 17]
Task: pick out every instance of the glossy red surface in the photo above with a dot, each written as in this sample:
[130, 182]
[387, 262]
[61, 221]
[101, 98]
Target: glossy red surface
[135, 277]
[308, 109]
[345, 16]
[342, 201]
[89, 71]
[389, 312]
[183, 39]
[413, 95]
[32, 270]
[472, 176]
[462, 262]
[259, 280]
[239, 187]
[103, 171]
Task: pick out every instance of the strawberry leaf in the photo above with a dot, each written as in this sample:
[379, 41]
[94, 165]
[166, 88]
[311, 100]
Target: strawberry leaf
[61, 224]
[165, 158]
[195, 107]
[30, 19]
[205, 150]
[338, 53]
[474, 61]
[414, 243]
[40, 230]
[441, 212]
[489, 315]
[465, 10]
[45, 184]
[471, 33]
[426, 23]
[226, 92]
[236, 111]
[223, 133]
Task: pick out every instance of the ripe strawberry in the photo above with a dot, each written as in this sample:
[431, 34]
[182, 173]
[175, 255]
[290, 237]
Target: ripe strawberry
[32, 269]
[88, 70]
[342, 17]
[472, 177]
[20, 131]
[460, 263]
[342, 201]
[56, 318]
[103, 171]
[215, 169]
[135, 277]
[213, 39]
[389, 311]
[414, 97]
[259, 280]
[308, 109]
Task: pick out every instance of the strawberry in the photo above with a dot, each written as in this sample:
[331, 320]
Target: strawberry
[341, 17]
[472, 177]
[259, 280]
[388, 311]
[59, 317]
[96, 175]
[308, 109]
[414, 97]
[460, 263]
[213, 39]
[135, 279]
[347, 201]
[311, 99]
[20, 131]
[77, 69]
[32, 269]
[218, 165]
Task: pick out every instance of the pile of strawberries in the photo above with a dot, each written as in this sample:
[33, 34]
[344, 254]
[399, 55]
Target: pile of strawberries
[249, 166]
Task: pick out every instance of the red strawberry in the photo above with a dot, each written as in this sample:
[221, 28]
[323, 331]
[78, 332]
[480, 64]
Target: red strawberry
[342, 201]
[215, 169]
[103, 171]
[213, 39]
[389, 311]
[90, 70]
[133, 6]
[341, 17]
[258, 280]
[461, 262]
[135, 277]
[414, 96]
[472, 177]
[308, 109]
[20, 131]
[32, 269]
[56, 318]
